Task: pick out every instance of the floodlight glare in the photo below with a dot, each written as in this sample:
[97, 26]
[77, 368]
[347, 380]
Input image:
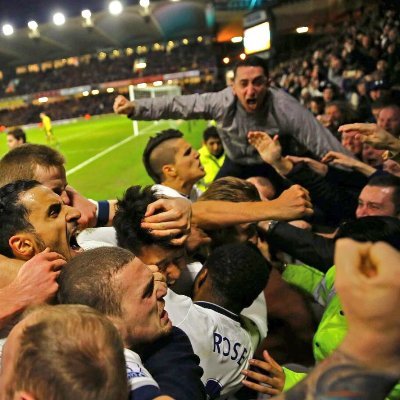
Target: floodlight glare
[32, 25]
[144, 3]
[237, 39]
[8, 29]
[115, 7]
[59, 19]
[86, 14]
[302, 29]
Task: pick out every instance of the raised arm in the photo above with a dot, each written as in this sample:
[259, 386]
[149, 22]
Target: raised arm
[293, 203]
[367, 364]
[193, 106]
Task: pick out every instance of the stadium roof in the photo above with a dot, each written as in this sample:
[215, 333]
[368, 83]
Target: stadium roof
[165, 20]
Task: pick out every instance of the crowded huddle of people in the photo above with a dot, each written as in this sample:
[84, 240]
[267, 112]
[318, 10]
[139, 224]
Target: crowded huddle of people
[265, 264]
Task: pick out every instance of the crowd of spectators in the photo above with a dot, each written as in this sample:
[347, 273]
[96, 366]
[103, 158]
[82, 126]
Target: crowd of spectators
[351, 69]
[194, 56]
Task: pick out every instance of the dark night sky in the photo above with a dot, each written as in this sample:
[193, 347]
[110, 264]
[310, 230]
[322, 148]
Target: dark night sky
[19, 12]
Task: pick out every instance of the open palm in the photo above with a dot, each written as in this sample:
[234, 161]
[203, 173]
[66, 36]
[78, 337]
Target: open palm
[270, 149]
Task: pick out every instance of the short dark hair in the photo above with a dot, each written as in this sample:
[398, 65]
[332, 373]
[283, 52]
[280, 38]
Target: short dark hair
[372, 229]
[130, 212]
[18, 134]
[388, 180]
[69, 352]
[238, 274]
[87, 279]
[13, 214]
[252, 61]
[210, 132]
[154, 165]
[21, 162]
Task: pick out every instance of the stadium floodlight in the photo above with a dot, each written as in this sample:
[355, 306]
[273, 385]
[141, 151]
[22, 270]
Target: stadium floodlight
[199, 39]
[95, 92]
[86, 14]
[302, 29]
[59, 19]
[8, 29]
[144, 3]
[237, 39]
[33, 25]
[115, 7]
[110, 90]
[140, 65]
[43, 99]
[85, 93]
[226, 60]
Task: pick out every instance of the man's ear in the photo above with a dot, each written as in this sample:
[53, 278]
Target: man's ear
[200, 280]
[169, 171]
[23, 246]
[23, 396]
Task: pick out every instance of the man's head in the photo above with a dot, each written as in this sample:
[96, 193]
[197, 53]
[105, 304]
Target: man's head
[351, 142]
[15, 138]
[372, 156]
[63, 352]
[116, 283]
[32, 217]
[168, 157]
[35, 162]
[234, 275]
[250, 83]
[235, 190]
[381, 196]
[264, 187]
[212, 141]
[131, 210]
[372, 229]
[389, 119]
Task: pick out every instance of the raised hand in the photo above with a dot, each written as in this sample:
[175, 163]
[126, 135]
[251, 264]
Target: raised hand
[123, 106]
[270, 380]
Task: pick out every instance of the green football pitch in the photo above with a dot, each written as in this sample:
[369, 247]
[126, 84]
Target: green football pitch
[103, 157]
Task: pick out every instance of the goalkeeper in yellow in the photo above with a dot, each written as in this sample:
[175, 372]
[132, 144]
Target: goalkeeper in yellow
[46, 122]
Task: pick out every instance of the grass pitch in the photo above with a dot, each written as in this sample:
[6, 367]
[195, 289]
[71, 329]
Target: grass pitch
[115, 165]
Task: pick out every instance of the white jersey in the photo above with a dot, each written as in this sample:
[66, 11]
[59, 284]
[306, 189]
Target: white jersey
[257, 312]
[217, 337]
[162, 190]
[141, 383]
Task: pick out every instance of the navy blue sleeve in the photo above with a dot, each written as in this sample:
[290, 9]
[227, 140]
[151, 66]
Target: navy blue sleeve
[144, 393]
[174, 366]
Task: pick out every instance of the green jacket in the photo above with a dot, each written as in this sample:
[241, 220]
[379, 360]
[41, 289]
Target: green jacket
[211, 166]
[333, 326]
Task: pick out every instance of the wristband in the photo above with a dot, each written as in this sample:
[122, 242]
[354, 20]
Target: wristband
[103, 213]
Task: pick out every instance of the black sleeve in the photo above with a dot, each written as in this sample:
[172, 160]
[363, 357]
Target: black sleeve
[175, 367]
[337, 202]
[313, 250]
